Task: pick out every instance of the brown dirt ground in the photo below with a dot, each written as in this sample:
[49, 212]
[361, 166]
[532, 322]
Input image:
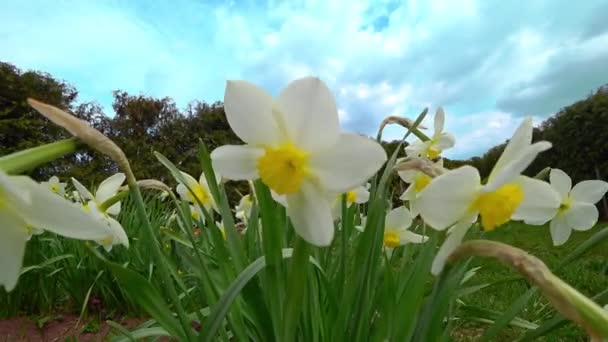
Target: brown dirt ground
[59, 329]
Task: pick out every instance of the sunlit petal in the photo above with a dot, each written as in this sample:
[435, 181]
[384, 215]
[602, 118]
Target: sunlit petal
[448, 197]
[561, 182]
[581, 216]
[349, 163]
[237, 162]
[589, 191]
[249, 111]
[310, 113]
[310, 214]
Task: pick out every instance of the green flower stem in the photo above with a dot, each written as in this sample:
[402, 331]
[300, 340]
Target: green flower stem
[296, 288]
[160, 258]
[25, 160]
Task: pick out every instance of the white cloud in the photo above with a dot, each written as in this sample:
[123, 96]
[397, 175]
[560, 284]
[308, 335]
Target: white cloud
[496, 60]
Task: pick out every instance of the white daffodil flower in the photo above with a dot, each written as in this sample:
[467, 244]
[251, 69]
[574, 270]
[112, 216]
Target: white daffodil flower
[577, 209]
[396, 229]
[457, 197]
[117, 234]
[197, 214]
[55, 186]
[107, 189]
[243, 209]
[433, 147]
[295, 146]
[358, 195]
[199, 191]
[417, 181]
[25, 203]
[92, 205]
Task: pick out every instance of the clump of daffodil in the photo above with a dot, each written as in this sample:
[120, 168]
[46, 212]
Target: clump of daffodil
[358, 195]
[457, 197]
[25, 204]
[94, 205]
[55, 186]
[433, 147]
[418, 173]
[295, 146]
[243, 209]
[577, 205]
[196, 192]
[196, 214]
[396, 229]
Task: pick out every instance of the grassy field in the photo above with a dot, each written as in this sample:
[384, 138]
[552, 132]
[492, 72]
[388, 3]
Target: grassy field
[588, 274]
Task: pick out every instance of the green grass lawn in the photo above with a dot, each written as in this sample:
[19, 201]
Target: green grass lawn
[588, 274]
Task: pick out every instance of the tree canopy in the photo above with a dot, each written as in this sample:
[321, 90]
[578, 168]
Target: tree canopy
[143, 124]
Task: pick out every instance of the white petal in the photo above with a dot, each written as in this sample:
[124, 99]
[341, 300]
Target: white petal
[249, 111]
[237, 162]
[581, 216]
[82, 190]
[515, 166]
[398, 219]
[414, 207]
[520, 140]
[13, 238]
[445, 141]
[589, 191]
[347, 164]
[190, 181]
[409, 194]
[310, 214]
[561, 182]
[560, 230]
[182, 191]
[114, 210]
[310, 113]
[48, 211]
[448, 197]
[540, 201]
[53, 180]
[408, 176]
[439, 120]
[410, 237]
[281, 199]
[109, 187]
[452, 242]
[118, 233]
[416, 148]
[361, 195]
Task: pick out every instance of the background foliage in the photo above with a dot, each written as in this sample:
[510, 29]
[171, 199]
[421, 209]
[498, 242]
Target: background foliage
[143, 124]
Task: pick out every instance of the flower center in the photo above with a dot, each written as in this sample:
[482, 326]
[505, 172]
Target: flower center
[421, 181]
[198, 192]
[283, 168]
[29, 230]
[55, 188]
[107, 241]
[391, 239]
[195, 215]
[351, 196]
[565, 205]
[496, 208]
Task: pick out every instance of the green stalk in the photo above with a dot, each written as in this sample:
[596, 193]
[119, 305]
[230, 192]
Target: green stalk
[25, 160]
[271, 244]
[163, 269]
[296, 288]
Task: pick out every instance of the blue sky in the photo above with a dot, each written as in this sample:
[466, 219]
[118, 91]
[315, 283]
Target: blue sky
[488, 63]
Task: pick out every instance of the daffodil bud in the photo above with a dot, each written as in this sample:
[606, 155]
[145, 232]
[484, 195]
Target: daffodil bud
[403, 122]
[81, 129]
